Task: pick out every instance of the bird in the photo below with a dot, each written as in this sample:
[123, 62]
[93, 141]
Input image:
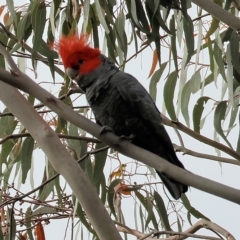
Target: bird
[119, 102]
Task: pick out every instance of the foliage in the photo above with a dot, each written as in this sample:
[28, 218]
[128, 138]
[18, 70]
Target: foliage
[28, 32]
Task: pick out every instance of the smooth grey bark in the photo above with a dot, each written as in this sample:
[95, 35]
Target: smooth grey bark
[61, 160]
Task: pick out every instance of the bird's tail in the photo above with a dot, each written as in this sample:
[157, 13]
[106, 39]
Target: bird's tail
[175, 188]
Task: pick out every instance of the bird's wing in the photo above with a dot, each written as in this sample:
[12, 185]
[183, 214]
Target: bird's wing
[140, 102]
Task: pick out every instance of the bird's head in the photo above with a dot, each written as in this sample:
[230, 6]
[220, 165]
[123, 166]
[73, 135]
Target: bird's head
[77, 56]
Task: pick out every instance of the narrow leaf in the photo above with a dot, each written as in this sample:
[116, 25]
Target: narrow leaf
[192, 210]
[38, 24]
[168, 94]
[197, 112]
[188, 31]
[219, 116]
[185, 97]
[24, 23]
[219, 60]
[100, 160]
[234, 49]
[154, 63]
[111, 195]
[12, 10]
[28, 221]
[82, 215]
[162, 211]
[40, 231]
[173, 42]
[101, 17]
[26, 156]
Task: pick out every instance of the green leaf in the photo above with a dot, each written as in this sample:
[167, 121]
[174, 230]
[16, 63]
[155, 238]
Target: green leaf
[26, 156]
[51, 67]
[227, 4]
[227, 35]
[100, 160]
[219, 60]
[7, 124]
[47, 189]
[209, 79]
[151, 217]
[75, 145]
[210, 53]
[23, 25]
[134, 13]
[12, 231]
[103, 189]
[101, 16]
[192, 210]
[44, 210]
[155, 18]
[238, 142]
[154, 80]
[111, 193]
[219, 116]
[38, 24]
[119, 27]
[94, 24]
[188, 31]
[234, 49]
[5, 151]
[168, 94]
[82, 216]
[12, 10]
[213, 27]
[185, 97]
[146, 202]
[173, 42]
[162, 211]
[46, 51]
[197, 112]
[179, 225]
[1, 235]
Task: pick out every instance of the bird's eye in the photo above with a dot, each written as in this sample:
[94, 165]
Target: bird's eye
[80, 61]
[75, 67]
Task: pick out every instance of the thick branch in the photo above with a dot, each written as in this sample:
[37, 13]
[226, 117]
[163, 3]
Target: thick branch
[61, 160]
[24, 83]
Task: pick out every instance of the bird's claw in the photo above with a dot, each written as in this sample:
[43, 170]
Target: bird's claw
[128, 138]
[105, 129]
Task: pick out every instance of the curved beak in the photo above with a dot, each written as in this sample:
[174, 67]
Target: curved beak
[72, 73]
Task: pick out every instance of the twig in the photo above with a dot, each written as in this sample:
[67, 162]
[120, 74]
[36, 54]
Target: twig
[29, 49]
[21, 135]
[40, 105]
[199, 137]
[18, 198]
[176, 235]
[207, 156]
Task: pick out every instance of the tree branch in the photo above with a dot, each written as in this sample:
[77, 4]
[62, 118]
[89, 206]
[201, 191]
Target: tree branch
[199, 137]
[29, 49]
[219, 13]
[23, 82]
[21, 135]
[207, 156]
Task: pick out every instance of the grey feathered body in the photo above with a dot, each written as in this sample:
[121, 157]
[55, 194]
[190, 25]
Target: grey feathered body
[119, 101]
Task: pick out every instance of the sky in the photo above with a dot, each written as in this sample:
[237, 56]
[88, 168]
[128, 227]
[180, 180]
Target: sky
[220, 211]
